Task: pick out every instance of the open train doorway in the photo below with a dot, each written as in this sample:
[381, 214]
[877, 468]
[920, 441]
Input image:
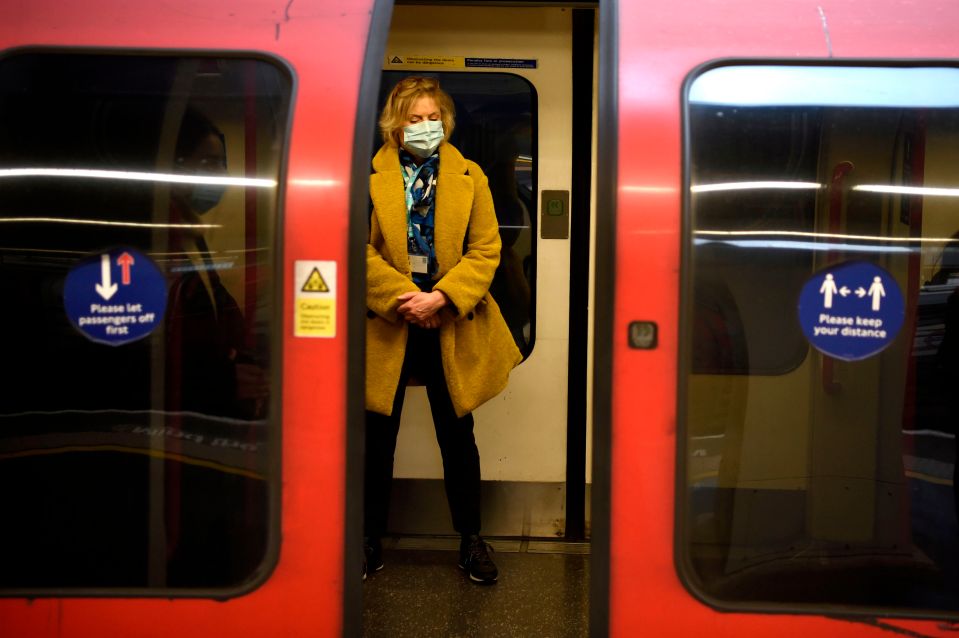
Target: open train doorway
[523, 83]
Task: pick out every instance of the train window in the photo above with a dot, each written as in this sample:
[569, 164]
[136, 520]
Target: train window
[496, 128]
[138, 435]
[818, 446]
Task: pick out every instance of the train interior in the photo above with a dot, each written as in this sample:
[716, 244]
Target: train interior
[511, 74]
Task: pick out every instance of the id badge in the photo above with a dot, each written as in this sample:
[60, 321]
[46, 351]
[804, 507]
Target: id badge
[420, 264]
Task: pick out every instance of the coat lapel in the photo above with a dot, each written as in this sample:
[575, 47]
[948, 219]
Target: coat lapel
[454, 201]
[386, 191]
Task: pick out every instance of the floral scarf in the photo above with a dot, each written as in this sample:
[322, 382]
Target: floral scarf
[419, 182]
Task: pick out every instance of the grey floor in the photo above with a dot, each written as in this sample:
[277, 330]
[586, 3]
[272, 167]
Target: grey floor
[542, 592]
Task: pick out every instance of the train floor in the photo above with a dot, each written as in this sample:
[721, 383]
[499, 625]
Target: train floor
[542, 591]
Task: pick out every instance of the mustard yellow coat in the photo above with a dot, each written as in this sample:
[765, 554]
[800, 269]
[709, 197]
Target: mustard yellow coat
[477, 348]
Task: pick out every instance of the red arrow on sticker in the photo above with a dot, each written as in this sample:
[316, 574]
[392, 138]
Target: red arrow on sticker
[125, 261]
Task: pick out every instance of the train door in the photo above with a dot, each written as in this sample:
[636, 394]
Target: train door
[824, 468]
[510, 73]
[836, 465]
[814, 465]
[808, 209]
[156, 202]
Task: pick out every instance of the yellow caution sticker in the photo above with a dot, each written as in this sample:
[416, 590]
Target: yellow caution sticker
[426, 61]
[401, 61]
[315, 282]
[314, 299]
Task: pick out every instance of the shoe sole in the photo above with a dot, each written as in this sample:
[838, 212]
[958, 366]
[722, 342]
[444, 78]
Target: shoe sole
[375, 570]
[480, 581]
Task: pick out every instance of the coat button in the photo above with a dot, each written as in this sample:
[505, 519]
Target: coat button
[470, 316]
[370, 314]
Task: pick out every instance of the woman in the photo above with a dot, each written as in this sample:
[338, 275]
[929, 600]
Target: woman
[434, 247]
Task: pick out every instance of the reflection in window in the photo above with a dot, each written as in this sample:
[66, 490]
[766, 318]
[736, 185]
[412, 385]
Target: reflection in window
[496, 128]
[810, 480]
[146, 465]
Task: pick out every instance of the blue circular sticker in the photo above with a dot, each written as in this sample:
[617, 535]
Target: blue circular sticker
[115, 297]
[851, 311]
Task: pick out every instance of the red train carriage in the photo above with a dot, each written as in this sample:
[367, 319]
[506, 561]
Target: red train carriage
[729, 261]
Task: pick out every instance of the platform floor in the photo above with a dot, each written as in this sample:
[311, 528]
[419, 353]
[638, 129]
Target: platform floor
[543, 591]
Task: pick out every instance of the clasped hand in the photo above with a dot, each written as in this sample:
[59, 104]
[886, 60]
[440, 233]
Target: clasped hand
[422, 308]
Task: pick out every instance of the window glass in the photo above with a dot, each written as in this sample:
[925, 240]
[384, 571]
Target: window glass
[496, 128]
[821, 320]
[138, 207]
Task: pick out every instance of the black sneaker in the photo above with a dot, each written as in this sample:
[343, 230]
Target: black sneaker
[372, 556]
[475, 560]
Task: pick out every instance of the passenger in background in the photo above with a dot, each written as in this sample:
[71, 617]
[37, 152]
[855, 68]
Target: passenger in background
[433, 250]
[511, 284]
[214, 519]
[947, 356]
[213, 372]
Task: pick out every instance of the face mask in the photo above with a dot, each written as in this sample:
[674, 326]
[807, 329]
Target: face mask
[423, 138]
[206, 196]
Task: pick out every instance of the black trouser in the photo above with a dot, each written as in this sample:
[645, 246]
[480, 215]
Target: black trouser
[461, 467]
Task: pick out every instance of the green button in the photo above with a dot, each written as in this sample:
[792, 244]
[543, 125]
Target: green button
[554, 207]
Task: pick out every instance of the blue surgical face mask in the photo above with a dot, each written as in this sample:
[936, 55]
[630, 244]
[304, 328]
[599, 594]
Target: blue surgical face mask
[206, 196]
[423, 138]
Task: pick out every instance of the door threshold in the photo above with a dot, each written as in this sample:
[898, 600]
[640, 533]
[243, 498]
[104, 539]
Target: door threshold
[501, 545]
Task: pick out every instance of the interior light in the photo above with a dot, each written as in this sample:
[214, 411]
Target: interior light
[174, 178]
[100, 222]
[743, 186]
[799, 233]
[908, 190]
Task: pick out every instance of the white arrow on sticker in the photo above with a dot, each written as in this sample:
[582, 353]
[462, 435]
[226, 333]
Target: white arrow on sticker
[105, 289]
[844, 291]
[860, 292]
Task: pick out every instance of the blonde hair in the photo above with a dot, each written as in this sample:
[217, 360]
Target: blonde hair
[400, 102]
